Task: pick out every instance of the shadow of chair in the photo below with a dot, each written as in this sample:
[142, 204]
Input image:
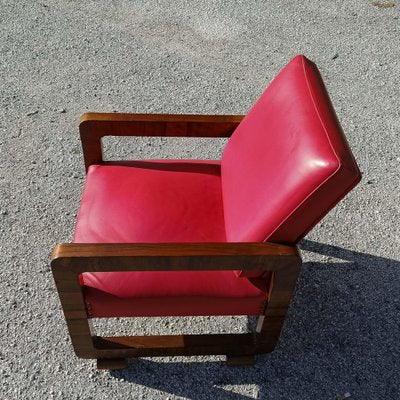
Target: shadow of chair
[339, 337]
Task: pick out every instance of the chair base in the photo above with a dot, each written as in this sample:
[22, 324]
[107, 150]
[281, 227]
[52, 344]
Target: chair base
[240, 349]
[112, 363]
[113, 352]
[237, 361]
[122, 363]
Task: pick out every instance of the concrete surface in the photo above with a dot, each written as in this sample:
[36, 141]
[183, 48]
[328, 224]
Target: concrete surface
[59, 59]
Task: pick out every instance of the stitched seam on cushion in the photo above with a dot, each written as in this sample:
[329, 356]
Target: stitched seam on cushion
[333, 150]
[319, 116]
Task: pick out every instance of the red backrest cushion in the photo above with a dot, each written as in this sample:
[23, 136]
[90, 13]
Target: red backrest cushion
[288, 163]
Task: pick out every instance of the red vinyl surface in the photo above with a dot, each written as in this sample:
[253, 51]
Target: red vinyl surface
[159, 201]
[152, 201]
[286, 165]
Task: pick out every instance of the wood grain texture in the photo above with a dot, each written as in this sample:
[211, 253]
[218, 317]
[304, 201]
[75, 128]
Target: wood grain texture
[270, 324]
[73, 304]
[69, 260]
[94, 126]
[174, 345]
[82, 257]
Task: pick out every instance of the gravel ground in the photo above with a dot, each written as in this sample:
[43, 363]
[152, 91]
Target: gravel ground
[59, 59]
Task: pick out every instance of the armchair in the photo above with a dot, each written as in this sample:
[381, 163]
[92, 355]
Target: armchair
[197, 237]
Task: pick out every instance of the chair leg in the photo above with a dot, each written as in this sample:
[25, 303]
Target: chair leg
[237, 361]
[270, 324]
[112, 363]
[268, 332]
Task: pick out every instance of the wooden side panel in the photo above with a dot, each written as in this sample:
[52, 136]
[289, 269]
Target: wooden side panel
[73, 304]
[175, 345]
[94, 126]
[69, 260]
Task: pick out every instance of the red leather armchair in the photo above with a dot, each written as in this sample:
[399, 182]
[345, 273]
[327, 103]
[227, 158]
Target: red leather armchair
[192, 238]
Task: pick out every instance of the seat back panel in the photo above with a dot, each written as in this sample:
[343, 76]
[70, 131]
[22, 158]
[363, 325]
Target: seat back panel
[288, 162]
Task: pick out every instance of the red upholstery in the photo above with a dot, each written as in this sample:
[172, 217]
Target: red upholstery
[159, 201]
[284, 168]
[152, 201]
[288, 163]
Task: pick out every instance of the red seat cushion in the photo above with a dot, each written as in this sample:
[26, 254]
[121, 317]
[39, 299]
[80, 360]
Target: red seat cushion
[152, 201]
[159, 201]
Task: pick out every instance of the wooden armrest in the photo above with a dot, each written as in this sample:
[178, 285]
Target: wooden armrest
[94, 126]
[76, 258]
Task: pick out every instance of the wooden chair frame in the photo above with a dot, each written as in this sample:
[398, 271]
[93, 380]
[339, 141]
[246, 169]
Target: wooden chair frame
[72, 259]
